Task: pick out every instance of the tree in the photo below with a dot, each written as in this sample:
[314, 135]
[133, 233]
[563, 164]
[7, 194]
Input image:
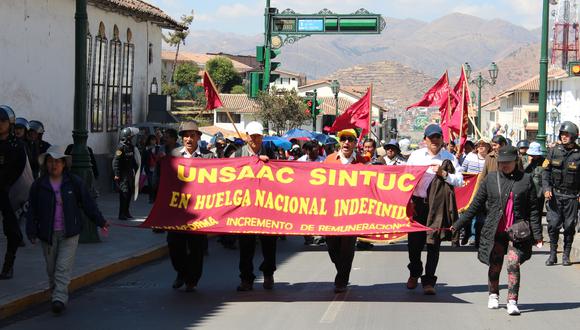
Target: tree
[222, 72]
[238, 89]
[186, 75]
[283, 109]
[176, 38]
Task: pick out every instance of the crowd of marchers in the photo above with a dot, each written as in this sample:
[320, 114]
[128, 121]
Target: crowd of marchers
[515, 184]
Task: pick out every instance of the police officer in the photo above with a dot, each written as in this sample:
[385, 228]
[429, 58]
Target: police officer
[186, 249]
[12, 163]
[36, 145]
[125, 166]
[523, 146]
[561, 185]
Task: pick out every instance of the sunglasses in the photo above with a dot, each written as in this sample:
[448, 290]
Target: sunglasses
[347, 138]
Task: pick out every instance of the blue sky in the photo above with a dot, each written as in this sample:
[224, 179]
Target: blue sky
[246, 16]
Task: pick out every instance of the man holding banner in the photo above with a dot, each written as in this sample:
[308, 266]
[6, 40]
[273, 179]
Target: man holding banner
[248, 242]
[433, 155]
[341, 248]
[186, 249]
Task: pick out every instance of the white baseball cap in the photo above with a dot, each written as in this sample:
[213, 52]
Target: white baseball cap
[254, 127]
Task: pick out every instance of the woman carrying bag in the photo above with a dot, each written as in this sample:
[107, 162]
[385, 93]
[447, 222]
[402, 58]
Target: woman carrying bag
[56, 201]
[513, 224]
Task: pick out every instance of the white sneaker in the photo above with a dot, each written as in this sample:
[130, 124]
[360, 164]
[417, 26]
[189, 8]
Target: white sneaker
[493, 301]
[512, 308]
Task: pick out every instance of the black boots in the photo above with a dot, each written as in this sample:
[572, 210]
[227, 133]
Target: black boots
[8, 267]
[566, 255]
[553, 259]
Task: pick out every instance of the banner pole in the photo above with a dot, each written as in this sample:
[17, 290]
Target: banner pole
[462, 109]
[371, 111]
[448, 108]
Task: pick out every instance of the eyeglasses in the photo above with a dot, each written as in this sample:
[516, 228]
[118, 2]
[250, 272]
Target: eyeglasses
[347, 138]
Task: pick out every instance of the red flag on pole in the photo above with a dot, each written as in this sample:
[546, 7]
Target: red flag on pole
[436, 95]
[460, 117]
[357, 115]
[211, 93]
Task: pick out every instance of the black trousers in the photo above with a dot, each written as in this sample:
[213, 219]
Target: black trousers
[341, 250]
[562, 211]
[9, 225]
[417, 241]
[126, 190]
[186, 253]
[247, 250]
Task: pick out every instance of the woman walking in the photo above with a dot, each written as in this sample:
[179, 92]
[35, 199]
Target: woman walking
[56, 200]
[511, 197]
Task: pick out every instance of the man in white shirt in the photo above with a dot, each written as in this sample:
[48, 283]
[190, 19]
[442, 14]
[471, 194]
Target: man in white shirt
[433, 156]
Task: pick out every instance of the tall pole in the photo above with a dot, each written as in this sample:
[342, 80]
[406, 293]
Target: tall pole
[81, 161]
[313, 111]
[479, 86]
[541, 137]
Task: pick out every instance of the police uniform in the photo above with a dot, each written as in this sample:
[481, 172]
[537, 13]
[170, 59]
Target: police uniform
[124, 167]
[36, 148]
[12, 163]
[562, 177]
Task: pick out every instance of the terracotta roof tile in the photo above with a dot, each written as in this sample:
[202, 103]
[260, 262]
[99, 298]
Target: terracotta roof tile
[142, 9]
[238, 103]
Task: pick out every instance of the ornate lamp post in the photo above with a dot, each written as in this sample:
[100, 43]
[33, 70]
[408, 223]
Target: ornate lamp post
[479, 81]
[555, 119]
[335, 86]
[81, 161]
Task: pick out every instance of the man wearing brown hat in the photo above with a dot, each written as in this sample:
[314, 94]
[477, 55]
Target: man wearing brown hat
[186, 249]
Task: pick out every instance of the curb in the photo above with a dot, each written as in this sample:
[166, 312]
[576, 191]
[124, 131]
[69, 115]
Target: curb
[20, 304]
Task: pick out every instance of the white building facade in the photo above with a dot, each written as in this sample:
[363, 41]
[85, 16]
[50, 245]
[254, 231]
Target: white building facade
[37, 63]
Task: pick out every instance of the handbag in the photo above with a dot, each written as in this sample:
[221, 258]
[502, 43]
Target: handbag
[519, 231]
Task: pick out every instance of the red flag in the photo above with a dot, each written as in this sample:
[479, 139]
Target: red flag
[435, 96]
[357, 115]
[211, 94]
[460, 117]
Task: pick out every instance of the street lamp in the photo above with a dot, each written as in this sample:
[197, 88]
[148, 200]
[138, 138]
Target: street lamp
[479, 81]
[555, 119]
[335, 86]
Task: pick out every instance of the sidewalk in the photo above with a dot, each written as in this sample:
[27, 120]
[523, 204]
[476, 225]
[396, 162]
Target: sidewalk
[123, 249]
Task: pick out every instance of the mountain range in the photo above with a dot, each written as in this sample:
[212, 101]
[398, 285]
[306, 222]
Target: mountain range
[408, 54]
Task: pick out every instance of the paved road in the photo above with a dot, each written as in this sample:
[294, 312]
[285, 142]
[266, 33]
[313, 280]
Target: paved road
[303, 298]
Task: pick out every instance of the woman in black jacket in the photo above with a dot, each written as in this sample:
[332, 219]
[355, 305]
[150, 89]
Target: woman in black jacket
[56, 201]
[511, 198]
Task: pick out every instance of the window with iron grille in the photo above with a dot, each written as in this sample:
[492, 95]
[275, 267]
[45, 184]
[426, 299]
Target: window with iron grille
[98, 82]
[114, 85]
[535, 97]
[127, 84]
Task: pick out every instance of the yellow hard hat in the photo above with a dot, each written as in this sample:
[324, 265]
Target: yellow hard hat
[346, 132]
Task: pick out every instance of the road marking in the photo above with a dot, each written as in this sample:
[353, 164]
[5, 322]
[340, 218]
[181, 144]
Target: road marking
[334, 308]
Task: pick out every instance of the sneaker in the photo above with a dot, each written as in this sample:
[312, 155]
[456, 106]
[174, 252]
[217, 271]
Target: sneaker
[412, 282]
[268, 282]
[429, 290]
[190, 287]
[178, 283]
[512, 308]
[493, 301]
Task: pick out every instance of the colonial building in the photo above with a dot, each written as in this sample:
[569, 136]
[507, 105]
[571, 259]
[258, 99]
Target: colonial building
[168, 59]
[37, 64]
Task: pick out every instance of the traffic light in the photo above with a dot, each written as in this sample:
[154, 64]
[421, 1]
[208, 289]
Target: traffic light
[317, 107]
[574, 69]
[260, 54]
[255, 84]
[273, 54]
[309, 103]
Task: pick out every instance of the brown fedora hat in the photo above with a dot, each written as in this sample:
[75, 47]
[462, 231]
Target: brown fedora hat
[188, 126]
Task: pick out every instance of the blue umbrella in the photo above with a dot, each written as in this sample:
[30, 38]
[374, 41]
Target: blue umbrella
[278, 142]
[323, 138]
[297, 133]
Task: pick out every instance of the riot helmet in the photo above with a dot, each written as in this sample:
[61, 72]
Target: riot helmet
[22, 122]
[37, 126]
[126, 134]
[6, 113]
[571, 128]
[523, 144]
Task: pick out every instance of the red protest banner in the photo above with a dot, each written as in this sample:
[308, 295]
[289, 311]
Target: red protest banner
[245, 195]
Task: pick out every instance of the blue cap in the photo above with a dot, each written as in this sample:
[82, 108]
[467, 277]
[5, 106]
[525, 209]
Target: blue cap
[433, 129]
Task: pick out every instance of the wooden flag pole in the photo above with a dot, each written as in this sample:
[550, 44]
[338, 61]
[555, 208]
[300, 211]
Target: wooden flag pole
[463, 90]
[448, 107]
[477, 132]
[226, 109]
[370, 111]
